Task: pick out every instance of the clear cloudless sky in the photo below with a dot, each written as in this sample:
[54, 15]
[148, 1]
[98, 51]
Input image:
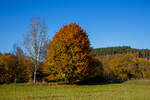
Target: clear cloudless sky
[107, 22]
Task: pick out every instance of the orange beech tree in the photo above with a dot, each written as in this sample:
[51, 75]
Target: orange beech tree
[69, 58]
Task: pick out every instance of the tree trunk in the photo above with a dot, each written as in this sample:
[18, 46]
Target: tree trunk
[34, 80]
[34, 77]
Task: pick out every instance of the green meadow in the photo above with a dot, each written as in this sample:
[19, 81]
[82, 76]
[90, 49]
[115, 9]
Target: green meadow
[129, 90]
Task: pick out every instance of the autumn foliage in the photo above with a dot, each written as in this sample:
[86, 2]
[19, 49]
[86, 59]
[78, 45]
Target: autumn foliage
[14, 69]
[122, 67]
[69, 57]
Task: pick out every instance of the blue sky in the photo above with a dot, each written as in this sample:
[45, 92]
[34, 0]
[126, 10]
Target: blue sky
[107, 22]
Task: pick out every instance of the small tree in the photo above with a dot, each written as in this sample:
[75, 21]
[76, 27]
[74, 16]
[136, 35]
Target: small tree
[120, 65]
[69, 56]
[23, 66]
[35, 43]
[7, 68]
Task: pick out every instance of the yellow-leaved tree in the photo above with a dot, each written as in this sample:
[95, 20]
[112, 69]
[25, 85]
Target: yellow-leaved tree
[69, 58]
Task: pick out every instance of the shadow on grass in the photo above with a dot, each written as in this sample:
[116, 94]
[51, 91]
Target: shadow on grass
[93, 81]
[99, 83]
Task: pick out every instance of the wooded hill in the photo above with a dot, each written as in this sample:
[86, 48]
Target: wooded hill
[142, 53]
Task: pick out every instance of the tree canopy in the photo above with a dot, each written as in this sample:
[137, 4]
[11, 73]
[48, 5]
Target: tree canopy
[69, 57]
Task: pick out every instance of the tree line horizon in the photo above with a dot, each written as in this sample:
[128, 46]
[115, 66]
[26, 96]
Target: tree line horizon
[68, 58]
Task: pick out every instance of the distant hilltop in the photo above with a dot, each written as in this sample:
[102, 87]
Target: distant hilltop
[142, 53]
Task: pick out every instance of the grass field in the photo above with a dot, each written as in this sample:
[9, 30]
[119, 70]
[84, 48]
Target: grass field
[130, 90]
